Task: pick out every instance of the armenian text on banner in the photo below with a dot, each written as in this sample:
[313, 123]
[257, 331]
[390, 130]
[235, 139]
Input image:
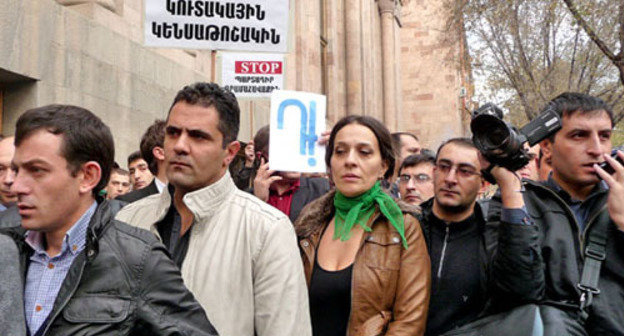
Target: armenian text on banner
[249, 25]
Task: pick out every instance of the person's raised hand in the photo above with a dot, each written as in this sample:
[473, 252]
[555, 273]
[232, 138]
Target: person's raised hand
[509, 183]
[324, 138]
[263, 180]
[615, 202]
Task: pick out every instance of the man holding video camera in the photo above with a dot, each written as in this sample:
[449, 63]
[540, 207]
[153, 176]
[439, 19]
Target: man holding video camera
[580, 214]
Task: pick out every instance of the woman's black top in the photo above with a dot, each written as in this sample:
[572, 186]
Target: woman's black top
[330, 301]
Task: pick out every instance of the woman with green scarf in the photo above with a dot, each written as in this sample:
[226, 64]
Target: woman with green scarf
[364, 255]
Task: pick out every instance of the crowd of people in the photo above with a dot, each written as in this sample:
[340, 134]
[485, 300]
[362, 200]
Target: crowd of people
[200, 237]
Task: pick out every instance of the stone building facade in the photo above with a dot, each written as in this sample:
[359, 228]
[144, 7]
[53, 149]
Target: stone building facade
[383, 58]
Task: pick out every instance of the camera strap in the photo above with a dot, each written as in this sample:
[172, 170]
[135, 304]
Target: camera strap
[595, 253]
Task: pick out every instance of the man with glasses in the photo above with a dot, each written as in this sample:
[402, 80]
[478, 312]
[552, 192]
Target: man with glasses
[416, 178]
[462, 248]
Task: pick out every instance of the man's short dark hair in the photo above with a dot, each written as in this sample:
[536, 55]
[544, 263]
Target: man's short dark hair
[569, 103]
[133, 157]
[212, 95]
[462, 142]
[396, 136]
[84, 136]
[416, 160]
[120, 171]
[261, 139]
[396, 140]
[154, 137]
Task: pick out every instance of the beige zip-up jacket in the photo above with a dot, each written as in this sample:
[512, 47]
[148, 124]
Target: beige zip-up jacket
[242, 263]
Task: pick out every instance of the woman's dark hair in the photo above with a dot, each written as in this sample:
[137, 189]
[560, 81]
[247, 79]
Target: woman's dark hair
[85, 137]
[381, 133]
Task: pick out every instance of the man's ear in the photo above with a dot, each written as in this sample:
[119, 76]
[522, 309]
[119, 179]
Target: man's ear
[232, 148]
[546, 147]
[90, 175]
[159, 153]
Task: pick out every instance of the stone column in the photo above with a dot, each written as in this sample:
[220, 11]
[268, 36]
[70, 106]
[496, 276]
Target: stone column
[387, 11]
[111, 5]
[353, 56]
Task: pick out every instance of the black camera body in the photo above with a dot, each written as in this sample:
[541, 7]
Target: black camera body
[503, 144]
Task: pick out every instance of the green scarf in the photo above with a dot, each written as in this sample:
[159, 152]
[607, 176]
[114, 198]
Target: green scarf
[358, 210]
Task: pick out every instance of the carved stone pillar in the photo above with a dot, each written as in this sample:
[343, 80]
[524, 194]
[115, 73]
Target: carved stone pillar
[353, 51]
[112, 5]
[387, 10]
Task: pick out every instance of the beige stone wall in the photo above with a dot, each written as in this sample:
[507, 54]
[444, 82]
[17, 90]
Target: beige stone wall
[431, 77]
[88, 55]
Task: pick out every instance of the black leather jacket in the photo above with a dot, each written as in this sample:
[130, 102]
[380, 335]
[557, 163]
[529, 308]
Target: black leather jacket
[562, 243]
[122, 283]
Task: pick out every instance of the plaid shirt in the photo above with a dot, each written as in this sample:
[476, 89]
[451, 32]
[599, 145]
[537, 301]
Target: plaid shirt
[45, 275]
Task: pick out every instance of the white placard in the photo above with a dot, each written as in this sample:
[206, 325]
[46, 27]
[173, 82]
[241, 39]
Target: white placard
[249, 25]
[297, 121]
[252, 75]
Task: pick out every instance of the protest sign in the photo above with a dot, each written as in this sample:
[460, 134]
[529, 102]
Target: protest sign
[297, 121]
[252, 75]
[250, 25]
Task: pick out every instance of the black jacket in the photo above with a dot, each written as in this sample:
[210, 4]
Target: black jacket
[562, 244]
[505, 266]
[310, 188]
[136, 195]
[122, 283]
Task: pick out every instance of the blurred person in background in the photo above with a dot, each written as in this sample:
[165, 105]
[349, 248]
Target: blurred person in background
[416, 178]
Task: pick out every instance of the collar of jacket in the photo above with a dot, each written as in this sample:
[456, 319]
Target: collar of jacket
[204, 202]
[100, 221]
[427, 210]
[316, 215]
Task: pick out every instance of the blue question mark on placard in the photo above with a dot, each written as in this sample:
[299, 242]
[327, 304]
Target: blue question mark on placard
[308, 126]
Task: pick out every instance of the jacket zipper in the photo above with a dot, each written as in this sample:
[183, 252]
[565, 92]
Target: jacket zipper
[446, 236]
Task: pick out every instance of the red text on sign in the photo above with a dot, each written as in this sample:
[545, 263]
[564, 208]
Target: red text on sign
[258, 67]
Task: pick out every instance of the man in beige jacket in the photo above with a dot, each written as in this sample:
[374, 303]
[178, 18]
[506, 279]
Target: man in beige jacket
[238, 255]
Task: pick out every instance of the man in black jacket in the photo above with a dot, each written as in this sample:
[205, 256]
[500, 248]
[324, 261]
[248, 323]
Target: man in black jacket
[569, 209]
[84, 272]
[467, 256]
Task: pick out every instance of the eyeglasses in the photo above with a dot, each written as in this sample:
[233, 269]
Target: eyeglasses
[418, 178]
[461, 170]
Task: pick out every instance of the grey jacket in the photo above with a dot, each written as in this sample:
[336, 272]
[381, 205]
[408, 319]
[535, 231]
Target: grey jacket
[12, 320]
[122, 283]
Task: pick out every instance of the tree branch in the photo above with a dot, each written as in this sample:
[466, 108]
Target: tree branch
[590, 32]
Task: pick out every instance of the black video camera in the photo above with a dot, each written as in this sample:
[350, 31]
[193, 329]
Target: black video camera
[503, 144]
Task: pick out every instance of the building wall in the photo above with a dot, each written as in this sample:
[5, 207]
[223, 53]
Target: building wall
[86, 54]
[89, 53]
[431, 74]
